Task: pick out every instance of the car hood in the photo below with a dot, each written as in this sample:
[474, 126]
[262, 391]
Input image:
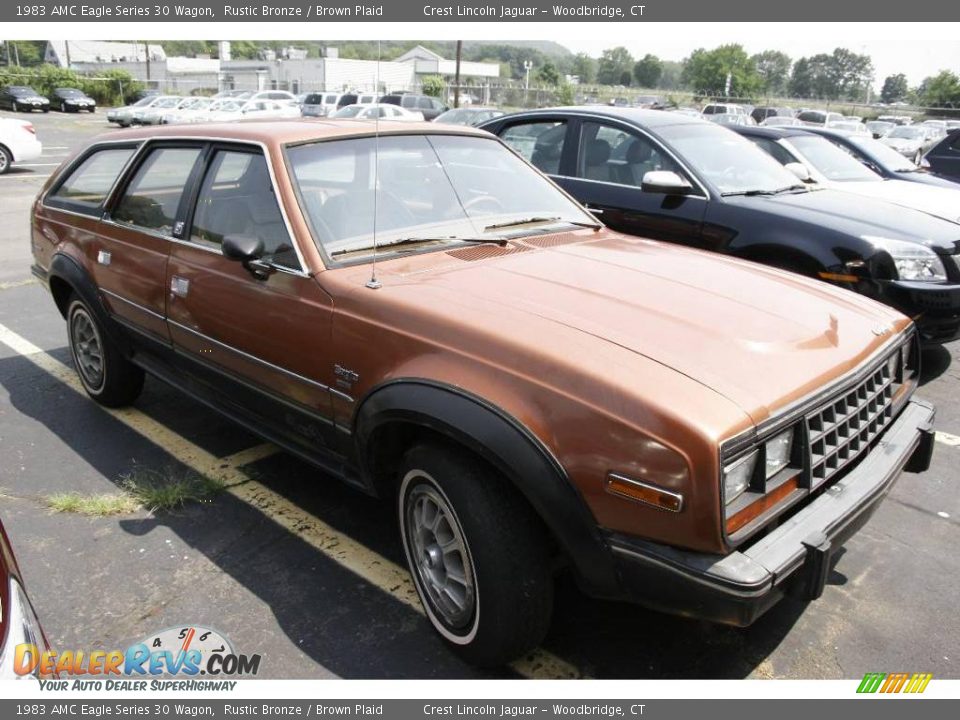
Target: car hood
[760, 337]
[940, 201]
[861, 216]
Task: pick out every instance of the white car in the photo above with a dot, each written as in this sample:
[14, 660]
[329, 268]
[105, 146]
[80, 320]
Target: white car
[383, 111]
[18, 142]
[833, 167]
[154, 115]
[186, 109]
[850, 125]
[248, 109]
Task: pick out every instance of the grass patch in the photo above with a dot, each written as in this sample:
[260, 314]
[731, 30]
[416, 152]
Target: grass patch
[143, 488]
[93, 505]
[169, 490]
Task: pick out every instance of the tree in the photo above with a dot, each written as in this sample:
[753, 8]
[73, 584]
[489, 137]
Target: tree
[670, 78]
[584, 67]
[615, 64]
[941, 90]
[565, 94]
[706, 71]
[841, 74]
[895, 88]
[432, 85]
[647, 71]
[548, 74]
[773, 68]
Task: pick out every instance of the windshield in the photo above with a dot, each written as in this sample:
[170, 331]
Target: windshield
[167, 102]
[439, 188]
[459, 115]
[884, 154]
[830, 161]
[730, 162]
[348, 112]
[22, 91]
[232, 106]
[68, 92]
[910, 133]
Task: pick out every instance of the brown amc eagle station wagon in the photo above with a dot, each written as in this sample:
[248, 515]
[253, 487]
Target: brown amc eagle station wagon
[416, 310]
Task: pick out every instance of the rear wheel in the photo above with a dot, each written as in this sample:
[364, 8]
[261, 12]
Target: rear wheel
[6, 160]
[477, 553]
[106, 375]
[63, 107]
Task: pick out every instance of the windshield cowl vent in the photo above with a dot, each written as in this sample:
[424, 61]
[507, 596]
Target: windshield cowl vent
[555, 239]
[485, 252]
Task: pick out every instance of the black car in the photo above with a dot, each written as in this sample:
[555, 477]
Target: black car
[72, 100]
[430, 107]
[944, 157]
[883, 159]
[762, 113]
[22, 98]
[681, 179]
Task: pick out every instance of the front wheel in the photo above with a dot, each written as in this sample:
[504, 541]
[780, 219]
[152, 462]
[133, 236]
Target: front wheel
[6, 160]
[106, 375]
[478, 555]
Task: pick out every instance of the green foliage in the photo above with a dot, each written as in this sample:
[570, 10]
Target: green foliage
[773, 69]
[565, 95]
[841, 75]
[647, 71]
[615, 64]
[26, 53]
[548, 74]
[940, 90]
[584, 67]
[432, 85]
[706, 71]
[895, 88]
[103, 86]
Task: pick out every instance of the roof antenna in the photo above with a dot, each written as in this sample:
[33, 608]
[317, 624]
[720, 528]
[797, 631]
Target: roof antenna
[373, 283]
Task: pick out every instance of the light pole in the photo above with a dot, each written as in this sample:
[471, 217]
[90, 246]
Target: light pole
[528, 66]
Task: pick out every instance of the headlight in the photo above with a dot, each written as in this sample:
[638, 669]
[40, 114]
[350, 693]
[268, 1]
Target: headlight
[737, 476]
[779, 450]
[912, 260]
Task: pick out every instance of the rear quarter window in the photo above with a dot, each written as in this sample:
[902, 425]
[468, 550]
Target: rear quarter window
[85, 188]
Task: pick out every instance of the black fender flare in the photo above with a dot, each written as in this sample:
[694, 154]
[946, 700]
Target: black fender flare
[509, 447]
[64, 268]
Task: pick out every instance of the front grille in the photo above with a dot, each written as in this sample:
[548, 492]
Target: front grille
[841, 431]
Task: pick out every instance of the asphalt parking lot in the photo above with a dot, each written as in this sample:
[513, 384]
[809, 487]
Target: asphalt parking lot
[308, 573]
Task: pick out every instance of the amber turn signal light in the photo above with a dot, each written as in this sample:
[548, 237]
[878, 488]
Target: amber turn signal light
[644, 493]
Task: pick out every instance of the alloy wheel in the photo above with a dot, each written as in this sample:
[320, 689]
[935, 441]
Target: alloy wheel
[87, 348]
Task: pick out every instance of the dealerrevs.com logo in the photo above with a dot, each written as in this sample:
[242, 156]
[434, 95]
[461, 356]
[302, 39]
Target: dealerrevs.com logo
[887, 683]
[179, 658]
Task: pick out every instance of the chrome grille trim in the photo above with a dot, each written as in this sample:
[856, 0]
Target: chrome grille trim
[840, 431]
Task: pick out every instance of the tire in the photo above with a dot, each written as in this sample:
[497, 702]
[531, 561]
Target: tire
[107, 376]
[63, 107]
[6, 160]
[496, 597]
[15, 106]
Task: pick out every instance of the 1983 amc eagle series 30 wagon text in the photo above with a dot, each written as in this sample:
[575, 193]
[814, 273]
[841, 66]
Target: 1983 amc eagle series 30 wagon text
[416, 310]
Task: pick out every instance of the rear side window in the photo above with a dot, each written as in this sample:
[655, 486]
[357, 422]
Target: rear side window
[408, 101]
[152, 198]
[86, 188]
[237, 198]
[539, 142]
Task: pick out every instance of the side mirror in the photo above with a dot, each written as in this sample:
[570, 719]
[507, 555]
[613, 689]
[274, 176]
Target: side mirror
[242, 248]
[800, 170]
[666, 182]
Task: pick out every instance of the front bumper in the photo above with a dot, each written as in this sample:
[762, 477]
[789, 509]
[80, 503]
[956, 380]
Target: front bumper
[793, 558]
[934, 307]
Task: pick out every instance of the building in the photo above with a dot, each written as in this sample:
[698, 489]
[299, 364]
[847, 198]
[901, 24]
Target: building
[426, 62]
[76, 53]
[316, 74]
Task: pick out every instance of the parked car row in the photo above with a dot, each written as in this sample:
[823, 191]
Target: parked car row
[419, 311]
[20, 98]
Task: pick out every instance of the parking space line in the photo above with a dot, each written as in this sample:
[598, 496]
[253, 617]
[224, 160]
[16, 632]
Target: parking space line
[948, 439]
[17, 283]
[369, 565]
[250, 455]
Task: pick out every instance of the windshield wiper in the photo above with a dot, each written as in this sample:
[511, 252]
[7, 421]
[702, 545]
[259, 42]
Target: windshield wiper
[754, 193]
[542, 219]
[419, 240]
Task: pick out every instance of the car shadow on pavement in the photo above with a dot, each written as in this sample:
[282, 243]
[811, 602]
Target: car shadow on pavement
[934, 361]
[326, 613]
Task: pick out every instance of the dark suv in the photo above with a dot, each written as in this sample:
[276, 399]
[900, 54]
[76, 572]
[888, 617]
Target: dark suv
[430, 107]
[944, 157]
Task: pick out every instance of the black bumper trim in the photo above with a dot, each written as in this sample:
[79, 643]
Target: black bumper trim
[737, 588]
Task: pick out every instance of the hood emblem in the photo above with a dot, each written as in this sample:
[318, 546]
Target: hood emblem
[880, 330]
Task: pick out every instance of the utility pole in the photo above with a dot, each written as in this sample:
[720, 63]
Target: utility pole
[16, 52]
[456, 86]
[66, 44]
[527, 66]
[146, 55]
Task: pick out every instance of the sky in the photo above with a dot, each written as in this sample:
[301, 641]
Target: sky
[915, 49]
